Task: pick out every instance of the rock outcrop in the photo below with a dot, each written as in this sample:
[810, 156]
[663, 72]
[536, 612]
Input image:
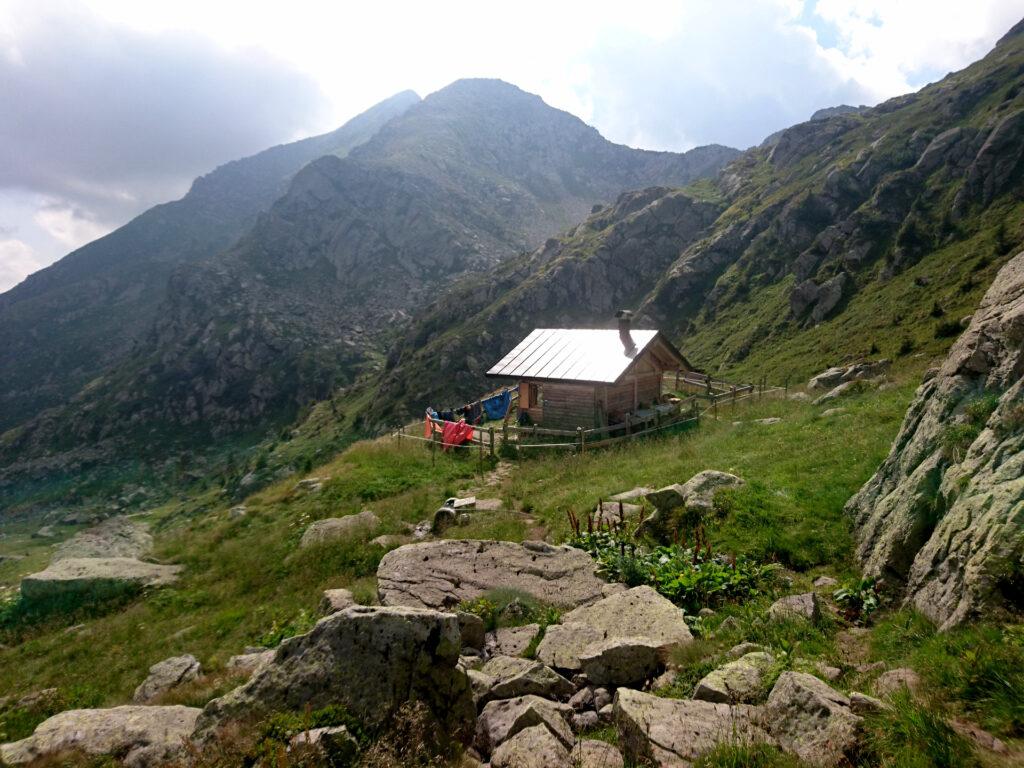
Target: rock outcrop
[95, 578]
[672, 733]
[144, 736]
[944, 514]
[369, 660]
[442, 574]
[115, 537]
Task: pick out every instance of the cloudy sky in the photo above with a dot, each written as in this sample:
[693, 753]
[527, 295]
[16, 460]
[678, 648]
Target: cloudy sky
[110, 106]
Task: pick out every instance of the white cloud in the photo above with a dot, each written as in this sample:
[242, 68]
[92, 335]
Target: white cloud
[17, 259]
[70, 227]
[113, 105]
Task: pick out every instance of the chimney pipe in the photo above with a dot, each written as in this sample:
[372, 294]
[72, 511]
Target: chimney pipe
[625, 318]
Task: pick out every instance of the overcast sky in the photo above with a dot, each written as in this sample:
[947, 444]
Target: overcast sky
[110, 106]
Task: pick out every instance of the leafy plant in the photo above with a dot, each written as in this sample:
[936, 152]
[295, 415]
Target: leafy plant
[690, 578]
[858, 600]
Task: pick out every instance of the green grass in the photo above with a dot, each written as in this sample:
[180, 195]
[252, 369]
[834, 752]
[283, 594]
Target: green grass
[747, 756]
[910, 735]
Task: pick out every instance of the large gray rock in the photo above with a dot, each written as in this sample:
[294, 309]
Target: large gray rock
[637, 612]
[369, 660]
[340, 528]
[590, 753]
[533, 747]
[512, 677]
[501, 720]
[143, 736]
[672, 733]
[812, 720]
[740, 681]
[115, 537]
[95, 578]
[622, 660]
[165, 675]
[442, 574]
[697, 492]
[510, 641]
[334, 600]
[948, 523]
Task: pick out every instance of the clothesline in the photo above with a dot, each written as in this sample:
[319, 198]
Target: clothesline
[454, 431]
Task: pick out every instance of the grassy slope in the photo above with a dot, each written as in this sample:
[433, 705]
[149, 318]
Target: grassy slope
[248, 583]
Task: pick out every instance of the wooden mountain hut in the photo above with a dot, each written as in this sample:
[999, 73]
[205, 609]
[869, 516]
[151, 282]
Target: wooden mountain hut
[581, 377]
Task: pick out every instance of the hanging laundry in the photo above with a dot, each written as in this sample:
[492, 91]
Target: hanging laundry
[456, 433]
[474, 413]
[497, 406]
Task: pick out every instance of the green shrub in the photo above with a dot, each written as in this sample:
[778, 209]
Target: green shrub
[858, 600]
[747, 756]
[510, 608]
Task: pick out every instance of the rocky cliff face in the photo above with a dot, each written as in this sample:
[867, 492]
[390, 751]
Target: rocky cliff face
[66, 323]
[944, 515]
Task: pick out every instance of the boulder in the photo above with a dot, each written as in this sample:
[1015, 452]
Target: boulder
[582, 700]
[501, 720]
[165, 675]
[471, 628]
[699, 491]
[533, 747]
[673, 733]
[805, 606]
[946, 524]
[95, 578]
[622, 660]
[827, 379]
[635, 493]
[740, 681]
[812, 720]
[333, 742]
[339, 528]
[510, 641]
[591, 753]
[637, 612]
[114, 537]
[742, 649]
[334, 600]
[442, 574]
[896, 680]
[370, 660]
[512, 677]
[140, 735]
[248, 663]
[847, 387]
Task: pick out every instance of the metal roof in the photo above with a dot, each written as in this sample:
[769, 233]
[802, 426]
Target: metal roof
[574, 354]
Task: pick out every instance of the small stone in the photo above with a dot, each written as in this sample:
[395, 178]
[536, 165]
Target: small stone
[165, 675]
[585, 721]
[805, 606]
[825, 581]
[510, 641]
[705, 612]
[740, 681]
[334, 600]
[828, 672]
[743, 649]
[606, 713]
[892, 681]
[602, 698]
[339, 528]
[862, 704]
[582, 700]
[591, 753]
[237, 513]
[335, 743]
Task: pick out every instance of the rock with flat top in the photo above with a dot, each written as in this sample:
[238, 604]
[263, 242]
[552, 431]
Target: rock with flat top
[673, 733]
[635, 493]
[139, 735]
[740, 681]
[114, 537]
[340, 528]
[443, 574]
[637, 612]
[812, 720]
[370, 660]
[165, 675]
[95, 578]
[896, 680]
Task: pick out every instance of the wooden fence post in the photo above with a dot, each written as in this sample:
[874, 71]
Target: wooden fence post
[714, 405]
[579, 435]
[490, 431]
